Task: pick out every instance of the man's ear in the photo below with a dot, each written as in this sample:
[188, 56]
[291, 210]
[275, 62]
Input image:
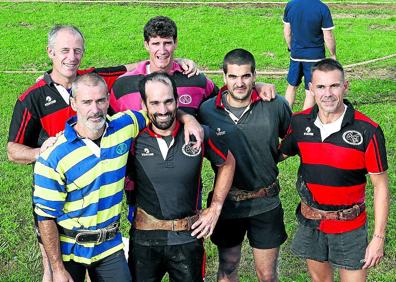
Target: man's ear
[50, 52]
[311, 88]
[146, 45]
[144, 108]
[73, 103]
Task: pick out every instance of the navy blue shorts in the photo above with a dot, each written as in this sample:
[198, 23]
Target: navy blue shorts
[264, 231]
[297, 70]
[345, 250]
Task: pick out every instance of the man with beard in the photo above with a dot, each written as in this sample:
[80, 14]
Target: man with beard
[167, 232]
[251, 128]
[42, 111]
[337, 146]
[79, 184]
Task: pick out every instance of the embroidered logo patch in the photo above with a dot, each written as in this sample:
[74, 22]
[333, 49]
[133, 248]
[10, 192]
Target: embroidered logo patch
[147, 153]
[121, 148]
[220, 132]
[352, 137]
[185, 99]
[308, 131]
[49, 101]
[190, 151]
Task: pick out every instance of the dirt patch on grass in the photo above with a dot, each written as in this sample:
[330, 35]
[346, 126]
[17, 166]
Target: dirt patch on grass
[370, 73]
[359, 16]
[391, 27]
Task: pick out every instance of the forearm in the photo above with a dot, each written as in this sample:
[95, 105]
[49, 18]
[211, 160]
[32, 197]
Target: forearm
[330, 42]
[22, 154]
[50, 238]
[225, 175]
[287, 35]
[381, 207]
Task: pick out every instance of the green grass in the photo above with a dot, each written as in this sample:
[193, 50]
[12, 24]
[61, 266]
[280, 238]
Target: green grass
[206, 33]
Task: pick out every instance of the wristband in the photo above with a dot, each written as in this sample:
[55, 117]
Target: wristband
[379, 236]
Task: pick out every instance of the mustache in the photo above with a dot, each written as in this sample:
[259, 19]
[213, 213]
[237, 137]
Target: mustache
[101, 115]
[169, 114]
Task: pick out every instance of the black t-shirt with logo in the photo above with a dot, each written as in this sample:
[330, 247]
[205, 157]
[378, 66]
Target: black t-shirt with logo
[166, 178]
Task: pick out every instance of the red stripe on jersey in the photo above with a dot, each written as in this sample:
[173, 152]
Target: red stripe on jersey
[20, 138]
[39, 84]
[337, 196]
[55, 122]
[377, 154]
[341, 226]
[362, 117]
[217, 151]
[373, 157]
[331, 155]
[204, 265]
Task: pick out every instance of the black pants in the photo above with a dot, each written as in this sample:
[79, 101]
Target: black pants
[183, 262]
[113, 268]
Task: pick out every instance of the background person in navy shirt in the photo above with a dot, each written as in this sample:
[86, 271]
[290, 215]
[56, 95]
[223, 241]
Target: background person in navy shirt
[308, 27]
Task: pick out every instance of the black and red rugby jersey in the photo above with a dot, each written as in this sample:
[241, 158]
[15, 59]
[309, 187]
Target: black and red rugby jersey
[42, 112]
[335, 169]
[169, 187]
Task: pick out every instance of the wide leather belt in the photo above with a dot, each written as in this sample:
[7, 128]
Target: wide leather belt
[144, 221]
[346, 214]
[92, 236]
[241, 195]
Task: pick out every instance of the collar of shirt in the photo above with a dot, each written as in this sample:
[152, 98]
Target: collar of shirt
[144, 68]
[329, 128]
[254, 98]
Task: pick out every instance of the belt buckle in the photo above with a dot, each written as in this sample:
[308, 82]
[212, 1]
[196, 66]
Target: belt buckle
[342, 215]
[78, 238]
[102, 236]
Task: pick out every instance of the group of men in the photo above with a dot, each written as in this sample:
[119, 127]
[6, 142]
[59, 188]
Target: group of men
[80, 175]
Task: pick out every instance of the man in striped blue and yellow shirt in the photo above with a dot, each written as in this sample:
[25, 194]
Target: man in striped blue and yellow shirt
[79, 186]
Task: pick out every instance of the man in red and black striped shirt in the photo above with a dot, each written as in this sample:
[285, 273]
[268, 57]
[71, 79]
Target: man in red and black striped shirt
[338, 146]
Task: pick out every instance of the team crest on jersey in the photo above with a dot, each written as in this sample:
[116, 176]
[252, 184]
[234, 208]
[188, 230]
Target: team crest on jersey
[190, 151]
[220, 132]
[121, 148]
[49, 101]
[185, 99]
[352, 137]
[308, 131]
[147, 153]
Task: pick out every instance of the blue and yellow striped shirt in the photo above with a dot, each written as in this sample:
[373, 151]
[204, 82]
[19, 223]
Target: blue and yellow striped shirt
[81, 185]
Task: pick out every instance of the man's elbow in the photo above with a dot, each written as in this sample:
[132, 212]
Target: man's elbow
[10, 153]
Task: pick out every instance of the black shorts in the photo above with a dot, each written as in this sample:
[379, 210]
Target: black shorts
[264, 231]
[185, 262]
[109, 269]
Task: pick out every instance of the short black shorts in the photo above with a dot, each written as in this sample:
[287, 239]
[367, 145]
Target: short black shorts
[264, 231]
[345, 250]
[185, 262]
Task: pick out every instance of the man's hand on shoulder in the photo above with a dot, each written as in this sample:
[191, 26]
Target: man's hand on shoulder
[189, 67]
[266, 91]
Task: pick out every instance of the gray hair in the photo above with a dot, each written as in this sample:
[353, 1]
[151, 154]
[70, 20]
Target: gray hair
[54, 31]
[89, 79]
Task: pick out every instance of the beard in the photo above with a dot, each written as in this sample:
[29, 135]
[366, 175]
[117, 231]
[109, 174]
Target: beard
[98, 125]
[163, 124]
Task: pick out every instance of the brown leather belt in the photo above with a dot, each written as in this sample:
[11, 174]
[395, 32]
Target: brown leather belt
[241, 195]
[347, 214]
[144, 221]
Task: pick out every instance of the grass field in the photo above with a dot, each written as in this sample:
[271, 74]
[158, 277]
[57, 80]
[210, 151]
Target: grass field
[206, 32]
